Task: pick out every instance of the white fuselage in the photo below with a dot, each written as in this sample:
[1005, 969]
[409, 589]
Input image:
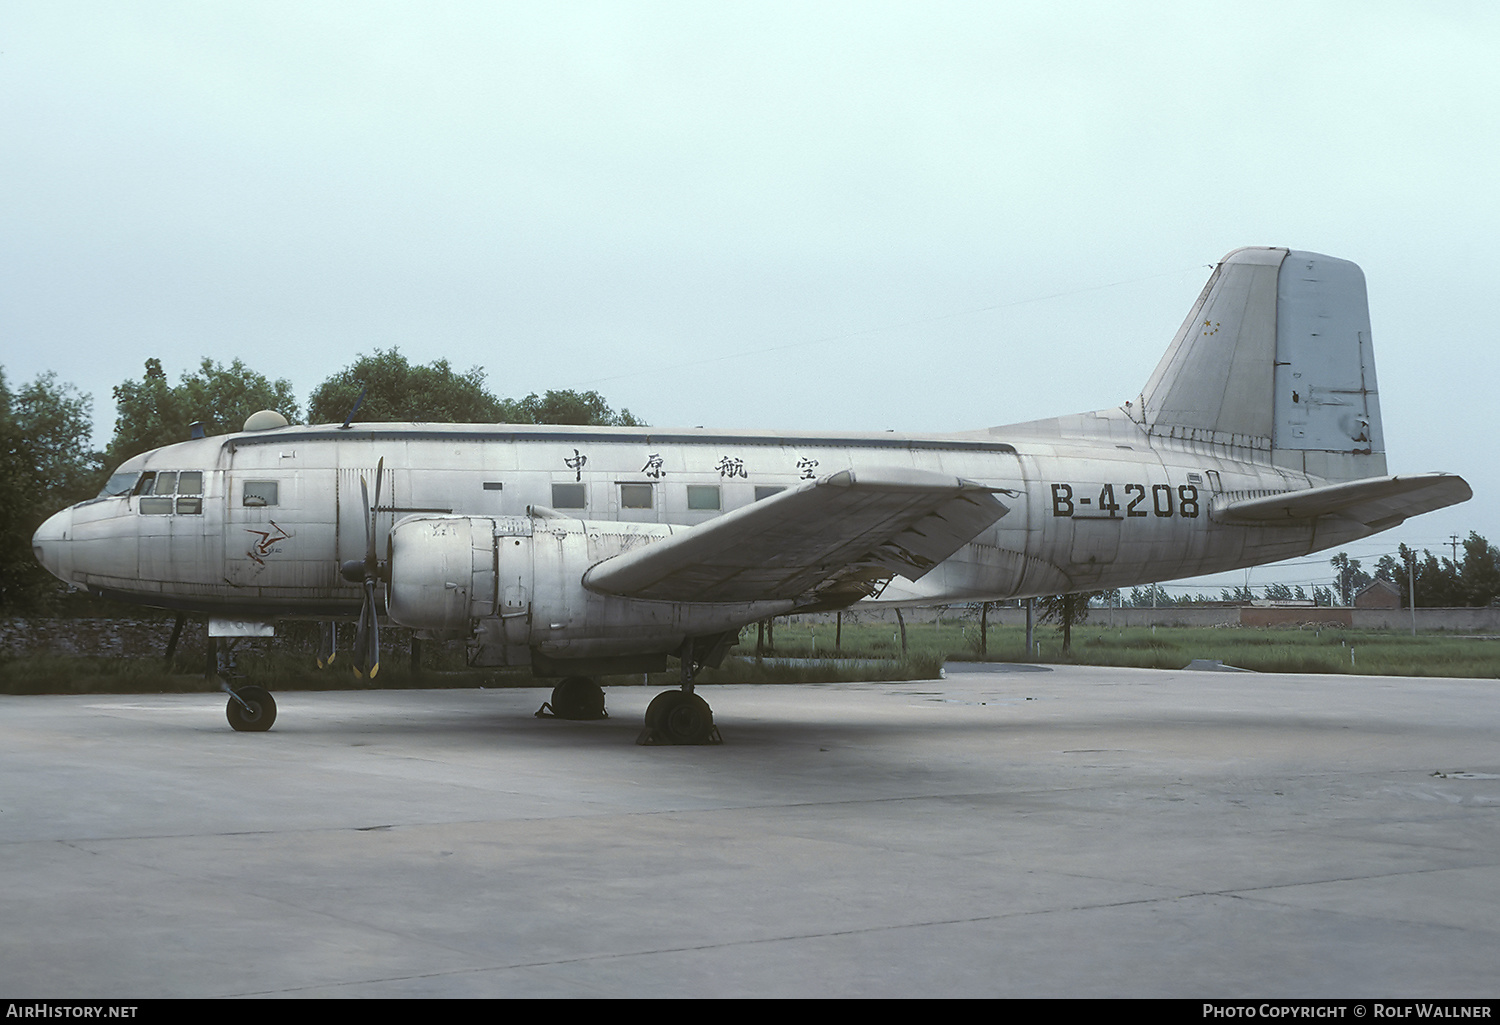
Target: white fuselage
[258, 523]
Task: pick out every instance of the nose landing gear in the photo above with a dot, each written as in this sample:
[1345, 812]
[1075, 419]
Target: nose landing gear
[251, 709]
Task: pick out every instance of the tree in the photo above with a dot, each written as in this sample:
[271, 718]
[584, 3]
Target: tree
[45, 464]
[1443, 583]
[150, 412]
[394, 389]
[1349, 577]
[1480, 573]
[1066, 610]
[567, 407]
[1150, 597]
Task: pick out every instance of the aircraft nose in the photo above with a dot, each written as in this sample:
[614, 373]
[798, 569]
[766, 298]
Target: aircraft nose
[52, 544]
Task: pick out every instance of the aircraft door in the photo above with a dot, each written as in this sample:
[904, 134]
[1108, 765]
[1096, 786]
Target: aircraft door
[264, 543]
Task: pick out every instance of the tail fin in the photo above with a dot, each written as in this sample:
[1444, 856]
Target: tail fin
[1275, 356]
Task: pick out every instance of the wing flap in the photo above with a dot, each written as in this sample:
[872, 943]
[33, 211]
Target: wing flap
[846, 533]
[1377, 502]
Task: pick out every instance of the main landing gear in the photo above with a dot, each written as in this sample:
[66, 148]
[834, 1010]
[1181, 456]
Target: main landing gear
[680, 716]
[673, 717]
[577, 697]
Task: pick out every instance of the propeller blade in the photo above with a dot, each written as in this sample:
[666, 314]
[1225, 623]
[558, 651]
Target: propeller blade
[364, 494]
[327, 644]
[370, 653]
[372, 560]
[357, 658]
[367, 638]
[366, 658]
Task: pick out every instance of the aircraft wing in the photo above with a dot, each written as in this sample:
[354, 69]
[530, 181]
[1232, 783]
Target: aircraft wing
[1377, 502]
[829, 542]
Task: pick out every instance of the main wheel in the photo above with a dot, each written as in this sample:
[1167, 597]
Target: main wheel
[687, 720]
[659, 705]
[256, 714]
[578, 697]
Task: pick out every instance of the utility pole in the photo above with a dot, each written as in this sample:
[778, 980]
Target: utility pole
[1453, 543]
[1411, 578]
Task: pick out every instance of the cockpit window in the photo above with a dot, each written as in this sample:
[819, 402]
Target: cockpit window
[190, 493]
[121, 482]
[169, 491]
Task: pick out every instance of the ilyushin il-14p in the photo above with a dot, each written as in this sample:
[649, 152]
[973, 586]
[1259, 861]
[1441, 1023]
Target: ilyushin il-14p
[582, 551]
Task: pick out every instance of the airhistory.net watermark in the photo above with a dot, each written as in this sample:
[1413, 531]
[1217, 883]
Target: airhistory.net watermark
[45, 1009]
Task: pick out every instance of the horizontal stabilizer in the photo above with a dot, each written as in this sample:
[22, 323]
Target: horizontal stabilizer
[1377, 502]
[831, 541]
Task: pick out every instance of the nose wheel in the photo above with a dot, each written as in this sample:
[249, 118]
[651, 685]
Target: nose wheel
[251, 709]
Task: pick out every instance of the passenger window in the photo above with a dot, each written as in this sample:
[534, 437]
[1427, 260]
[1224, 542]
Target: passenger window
[636, 496]
[568, 496]
[763, 491]
[260, 493]
[703, 496]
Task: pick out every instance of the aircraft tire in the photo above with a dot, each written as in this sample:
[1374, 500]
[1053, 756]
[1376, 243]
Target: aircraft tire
[260, 714]
[660, 704]
[687, 720]
[578, 697]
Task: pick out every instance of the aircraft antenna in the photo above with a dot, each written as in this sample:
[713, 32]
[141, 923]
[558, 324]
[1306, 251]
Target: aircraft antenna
[355, 409]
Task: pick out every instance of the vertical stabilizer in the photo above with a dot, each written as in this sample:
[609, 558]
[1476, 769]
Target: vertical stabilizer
[1275, 357]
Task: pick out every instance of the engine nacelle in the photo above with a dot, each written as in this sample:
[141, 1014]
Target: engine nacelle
[513, 584]
[442, 573]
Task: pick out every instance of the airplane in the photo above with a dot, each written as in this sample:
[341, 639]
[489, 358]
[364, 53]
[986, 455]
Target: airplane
[583, 551]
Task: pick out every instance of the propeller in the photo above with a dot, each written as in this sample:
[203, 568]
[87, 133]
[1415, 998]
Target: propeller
[367, 571]
[327, 643]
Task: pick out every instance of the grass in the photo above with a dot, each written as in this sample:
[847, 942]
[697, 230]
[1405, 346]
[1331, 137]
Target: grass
[805, 651]
[284, 671]
[1266, 650]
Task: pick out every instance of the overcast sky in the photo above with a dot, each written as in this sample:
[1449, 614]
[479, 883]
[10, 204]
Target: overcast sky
[924, 217]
